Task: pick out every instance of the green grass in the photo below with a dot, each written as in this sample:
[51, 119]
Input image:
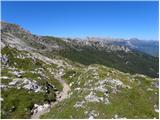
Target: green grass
[31, 75]
[6, 81]
[69, 73]
[136, 102]
[28, 64]
[138, 62]
[5, 72]
[19, 102]
[67, 112]
[23, 101]
[23, 64]
[133, 103]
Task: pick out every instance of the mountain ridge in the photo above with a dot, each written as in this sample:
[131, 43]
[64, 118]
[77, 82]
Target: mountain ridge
[150, 47]
[109, 53]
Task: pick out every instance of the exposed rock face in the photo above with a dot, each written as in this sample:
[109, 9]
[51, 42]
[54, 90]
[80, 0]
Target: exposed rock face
[79, 104]
[100, 45]
[11, 27]
[156, 84]
[18, 73]
[25, 83]
[2, 86]
[10, 40]
[4, 59]
[92, 97]
[92, 114]
[150, 46]
[31, 86]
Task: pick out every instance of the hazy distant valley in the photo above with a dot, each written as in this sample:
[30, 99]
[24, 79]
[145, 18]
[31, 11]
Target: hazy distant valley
[51, 77]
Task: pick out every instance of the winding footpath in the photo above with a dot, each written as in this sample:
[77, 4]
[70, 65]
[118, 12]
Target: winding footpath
[60, 97]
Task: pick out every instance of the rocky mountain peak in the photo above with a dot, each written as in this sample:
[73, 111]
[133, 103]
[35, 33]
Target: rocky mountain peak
[13, 28]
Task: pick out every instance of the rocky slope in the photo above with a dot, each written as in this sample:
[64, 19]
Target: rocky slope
[150, 47]
[49, 77]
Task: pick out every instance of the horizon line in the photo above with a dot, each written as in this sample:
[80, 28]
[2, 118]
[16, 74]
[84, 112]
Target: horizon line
[81, 37]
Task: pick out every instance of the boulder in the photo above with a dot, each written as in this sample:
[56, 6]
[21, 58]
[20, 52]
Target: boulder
[4, 59]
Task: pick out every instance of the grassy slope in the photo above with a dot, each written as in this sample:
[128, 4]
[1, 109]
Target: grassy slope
[23, 100]
[129, 98]
[131, 62]
[136, 102]
[137, 62]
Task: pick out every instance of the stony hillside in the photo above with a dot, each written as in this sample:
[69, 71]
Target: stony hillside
[150, 47]
[101, 92]
[50, 77]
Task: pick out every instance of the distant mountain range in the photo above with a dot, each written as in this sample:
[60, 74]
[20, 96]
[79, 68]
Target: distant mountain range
[150, 47]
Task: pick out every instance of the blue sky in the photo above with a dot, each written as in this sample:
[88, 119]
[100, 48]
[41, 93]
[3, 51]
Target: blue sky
[81, 19]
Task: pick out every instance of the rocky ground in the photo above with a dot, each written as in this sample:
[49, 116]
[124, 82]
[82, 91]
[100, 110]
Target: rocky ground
[101, 92]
